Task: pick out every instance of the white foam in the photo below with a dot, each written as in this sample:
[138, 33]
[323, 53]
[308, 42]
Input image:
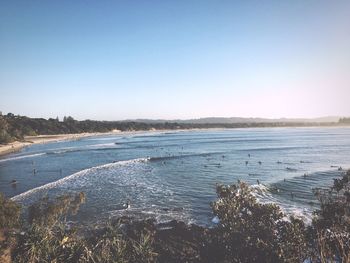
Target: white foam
[76, 175]
[264, 196]
[83, 148]
[21, 157]
[101, 145]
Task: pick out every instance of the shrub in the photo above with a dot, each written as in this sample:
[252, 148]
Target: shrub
[9, 213]
[47, 212]
[331, 224]
[253, 232]
[248, 231]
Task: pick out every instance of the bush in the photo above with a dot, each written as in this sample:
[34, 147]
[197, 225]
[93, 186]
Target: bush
[331, 224]
[9, 213]
[253, 232]
[9, 219]
[47, 212]
[248, 231]
[47, 238]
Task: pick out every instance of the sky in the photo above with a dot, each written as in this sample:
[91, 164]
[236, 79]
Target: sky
[113, 60]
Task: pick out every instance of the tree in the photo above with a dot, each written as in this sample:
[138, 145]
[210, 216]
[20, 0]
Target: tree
[68, 119]
[4, 135]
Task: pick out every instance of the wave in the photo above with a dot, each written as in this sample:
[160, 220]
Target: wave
[21, 157]
[85, 150]
[195, 141]
[77, 175]
[264, 195]
[276, 148]
[94, 147]
[172, 157]
[302, 184]
[100, 145]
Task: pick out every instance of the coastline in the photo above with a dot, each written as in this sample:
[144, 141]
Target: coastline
[16, 146]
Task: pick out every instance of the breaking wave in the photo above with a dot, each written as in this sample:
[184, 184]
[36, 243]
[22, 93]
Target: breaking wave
[77, 175]
[21, 157]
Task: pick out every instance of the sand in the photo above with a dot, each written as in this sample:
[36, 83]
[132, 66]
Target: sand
[29, 140]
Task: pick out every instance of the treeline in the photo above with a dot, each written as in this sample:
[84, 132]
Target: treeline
[248, 231]
[15, 127]
[344, 120]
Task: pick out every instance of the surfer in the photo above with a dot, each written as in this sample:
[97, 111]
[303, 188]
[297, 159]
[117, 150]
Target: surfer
[126, 205]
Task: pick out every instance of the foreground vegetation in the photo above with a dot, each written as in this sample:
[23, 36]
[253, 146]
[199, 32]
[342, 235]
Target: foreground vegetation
[15, 127]
[248, 231]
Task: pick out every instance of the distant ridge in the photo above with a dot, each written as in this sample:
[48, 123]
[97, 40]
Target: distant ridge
[228, 120]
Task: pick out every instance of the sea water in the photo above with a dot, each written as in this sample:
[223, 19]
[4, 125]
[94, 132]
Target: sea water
[173, 174]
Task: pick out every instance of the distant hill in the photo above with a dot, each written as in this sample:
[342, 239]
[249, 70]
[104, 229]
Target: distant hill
[229, 120]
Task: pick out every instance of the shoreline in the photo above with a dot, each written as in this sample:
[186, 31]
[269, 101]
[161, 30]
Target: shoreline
[16, 146]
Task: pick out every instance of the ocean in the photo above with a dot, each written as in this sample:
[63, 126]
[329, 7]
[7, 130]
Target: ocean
[173, 174]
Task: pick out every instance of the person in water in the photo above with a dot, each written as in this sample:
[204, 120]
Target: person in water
[126, 205]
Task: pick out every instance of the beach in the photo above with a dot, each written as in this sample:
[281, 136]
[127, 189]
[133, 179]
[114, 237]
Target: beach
[29, 140]
[40, 139]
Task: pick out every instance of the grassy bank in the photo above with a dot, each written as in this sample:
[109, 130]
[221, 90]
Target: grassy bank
[248, 231]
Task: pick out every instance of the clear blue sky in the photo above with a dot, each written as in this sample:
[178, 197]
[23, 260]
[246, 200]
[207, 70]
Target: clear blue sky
[174, 59]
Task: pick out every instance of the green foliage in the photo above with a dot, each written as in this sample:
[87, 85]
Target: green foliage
[9, 219]
[248, 231]
[47, 239]
[15, 127]
[254, 232]
[5, 137]
[55, 243]
[112, 245]
[47, 212]
[331, 224]
[46, 244]
[9, 213]
[109, 246]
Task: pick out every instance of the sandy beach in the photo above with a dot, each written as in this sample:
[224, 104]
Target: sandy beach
[29, 140]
